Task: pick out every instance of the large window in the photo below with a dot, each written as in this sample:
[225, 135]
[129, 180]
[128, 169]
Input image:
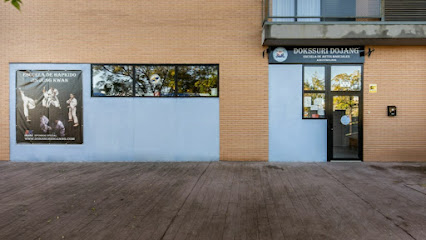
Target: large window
[159, 80]
[324, 81]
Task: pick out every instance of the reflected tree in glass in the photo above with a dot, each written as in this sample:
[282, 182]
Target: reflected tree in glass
[346, 81]
[197, 80]
[350, 105]
[314, 78]
[155, 80]
[112, 80]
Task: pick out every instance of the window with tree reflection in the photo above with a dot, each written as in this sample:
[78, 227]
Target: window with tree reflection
[314, 78]
[314, 92]
[155, 80]
[345, 78]
[112, 80]
[319, 81]
[197, 80]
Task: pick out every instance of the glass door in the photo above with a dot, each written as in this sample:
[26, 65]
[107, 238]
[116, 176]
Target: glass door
[345, 127]
[344, 122]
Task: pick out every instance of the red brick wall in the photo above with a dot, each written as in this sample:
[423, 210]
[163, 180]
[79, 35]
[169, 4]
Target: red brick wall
[400, 75]
[162, 31]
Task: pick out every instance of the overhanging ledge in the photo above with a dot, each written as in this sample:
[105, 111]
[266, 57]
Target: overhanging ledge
[341, 34]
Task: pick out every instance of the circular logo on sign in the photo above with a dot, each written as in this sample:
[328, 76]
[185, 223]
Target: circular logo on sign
[280, 54]
[345, 120]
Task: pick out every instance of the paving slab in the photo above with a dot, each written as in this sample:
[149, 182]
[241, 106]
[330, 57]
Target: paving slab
[212, 200]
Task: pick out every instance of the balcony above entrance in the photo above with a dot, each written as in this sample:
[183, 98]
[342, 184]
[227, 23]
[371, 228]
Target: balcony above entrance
[349, 22]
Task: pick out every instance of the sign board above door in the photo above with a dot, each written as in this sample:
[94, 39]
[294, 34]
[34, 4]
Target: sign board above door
[284, 55]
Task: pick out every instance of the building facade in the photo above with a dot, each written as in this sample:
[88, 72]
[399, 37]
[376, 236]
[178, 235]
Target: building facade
[225, 91]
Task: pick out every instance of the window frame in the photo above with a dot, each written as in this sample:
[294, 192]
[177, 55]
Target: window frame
[327, 91]
[314, 91]
[150, 65]
[346, 91]
[176, 66]
[119, 64]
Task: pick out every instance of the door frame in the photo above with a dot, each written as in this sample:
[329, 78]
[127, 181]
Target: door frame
[329, 113]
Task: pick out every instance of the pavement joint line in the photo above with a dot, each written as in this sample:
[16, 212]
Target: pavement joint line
[410, 187]
[186, 198]
[368, 203]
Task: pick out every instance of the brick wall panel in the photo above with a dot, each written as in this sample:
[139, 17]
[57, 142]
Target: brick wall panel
[400, 75]
[163, 31]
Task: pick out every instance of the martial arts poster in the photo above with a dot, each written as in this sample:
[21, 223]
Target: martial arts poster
[49, 107]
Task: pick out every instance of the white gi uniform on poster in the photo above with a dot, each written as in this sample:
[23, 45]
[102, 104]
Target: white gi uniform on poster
[51, 98]
[60, 129]
[72, 111]
[29, 103]
[44, 124]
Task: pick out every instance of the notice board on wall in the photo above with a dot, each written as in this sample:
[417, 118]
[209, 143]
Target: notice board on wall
[49, 107]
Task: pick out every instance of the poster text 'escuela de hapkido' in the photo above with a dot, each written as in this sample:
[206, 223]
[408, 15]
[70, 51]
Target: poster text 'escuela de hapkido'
[49, 107]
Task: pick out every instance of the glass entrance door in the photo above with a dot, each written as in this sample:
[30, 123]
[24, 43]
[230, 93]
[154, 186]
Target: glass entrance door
[345, 118]
[345, 127]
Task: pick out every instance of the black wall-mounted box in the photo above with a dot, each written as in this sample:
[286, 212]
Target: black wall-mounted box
[391, 111]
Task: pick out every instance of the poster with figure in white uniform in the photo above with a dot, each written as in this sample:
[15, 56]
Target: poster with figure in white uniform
[49, 107]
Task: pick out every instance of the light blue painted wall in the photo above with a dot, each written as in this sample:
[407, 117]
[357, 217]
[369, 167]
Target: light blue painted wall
[291, 138]
[128, 129]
